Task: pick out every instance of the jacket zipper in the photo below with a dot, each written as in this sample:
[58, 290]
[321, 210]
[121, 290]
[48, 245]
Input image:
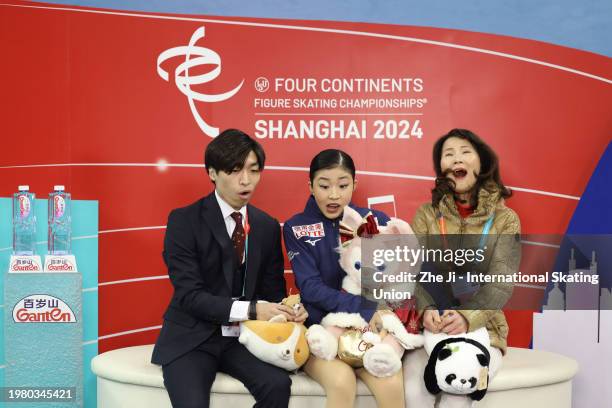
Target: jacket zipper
[461, 230]
[336, 232]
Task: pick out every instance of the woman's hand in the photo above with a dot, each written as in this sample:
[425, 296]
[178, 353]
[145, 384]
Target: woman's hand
[453, 322]
[432, 320]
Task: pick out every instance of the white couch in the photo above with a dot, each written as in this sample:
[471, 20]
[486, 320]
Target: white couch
[527, 379]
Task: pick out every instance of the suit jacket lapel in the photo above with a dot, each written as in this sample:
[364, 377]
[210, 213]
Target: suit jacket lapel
[254, 254]
[211, 212]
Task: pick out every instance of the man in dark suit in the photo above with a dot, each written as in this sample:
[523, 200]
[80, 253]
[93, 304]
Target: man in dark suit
[223, 255]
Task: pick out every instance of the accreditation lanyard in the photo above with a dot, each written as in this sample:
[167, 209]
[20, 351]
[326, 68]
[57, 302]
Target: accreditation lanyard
[483, 235]
[233, 329]
[247, 229]
[461, 287]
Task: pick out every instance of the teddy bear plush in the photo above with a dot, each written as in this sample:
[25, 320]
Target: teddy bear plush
[458, 364]
[378, 346]
[277, 342]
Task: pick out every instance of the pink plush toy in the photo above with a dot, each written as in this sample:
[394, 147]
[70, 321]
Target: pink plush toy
[378, 347]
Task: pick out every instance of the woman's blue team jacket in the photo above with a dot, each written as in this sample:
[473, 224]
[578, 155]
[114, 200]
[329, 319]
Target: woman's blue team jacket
[311, 240]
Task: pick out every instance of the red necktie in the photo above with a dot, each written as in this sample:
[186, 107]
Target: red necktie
[238, 236]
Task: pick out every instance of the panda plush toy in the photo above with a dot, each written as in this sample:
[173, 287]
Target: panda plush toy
[458, 364]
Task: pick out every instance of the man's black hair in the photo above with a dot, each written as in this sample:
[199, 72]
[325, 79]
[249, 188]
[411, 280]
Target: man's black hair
[228, 151]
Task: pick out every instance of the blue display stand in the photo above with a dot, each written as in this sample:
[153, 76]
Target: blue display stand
[85, 248]
[44, 330]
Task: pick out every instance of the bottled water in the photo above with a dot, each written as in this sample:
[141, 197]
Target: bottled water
[24, 222]
[59, 222]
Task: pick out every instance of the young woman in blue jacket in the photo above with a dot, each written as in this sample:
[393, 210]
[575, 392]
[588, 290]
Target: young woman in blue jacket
[311, 239]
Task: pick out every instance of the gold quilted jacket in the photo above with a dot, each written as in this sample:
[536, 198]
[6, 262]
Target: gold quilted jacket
[502, 256]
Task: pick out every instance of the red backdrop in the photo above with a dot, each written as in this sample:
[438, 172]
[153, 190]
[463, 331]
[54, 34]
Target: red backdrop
[85, 106]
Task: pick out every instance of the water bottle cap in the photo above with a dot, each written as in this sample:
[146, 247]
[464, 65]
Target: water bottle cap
[58, 188]
[24, 188]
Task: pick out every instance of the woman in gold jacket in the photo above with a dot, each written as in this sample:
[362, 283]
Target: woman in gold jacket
[467, 211]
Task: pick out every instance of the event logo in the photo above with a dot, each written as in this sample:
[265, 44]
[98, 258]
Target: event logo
[196, 56]
[42, 309]
[262, 84]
